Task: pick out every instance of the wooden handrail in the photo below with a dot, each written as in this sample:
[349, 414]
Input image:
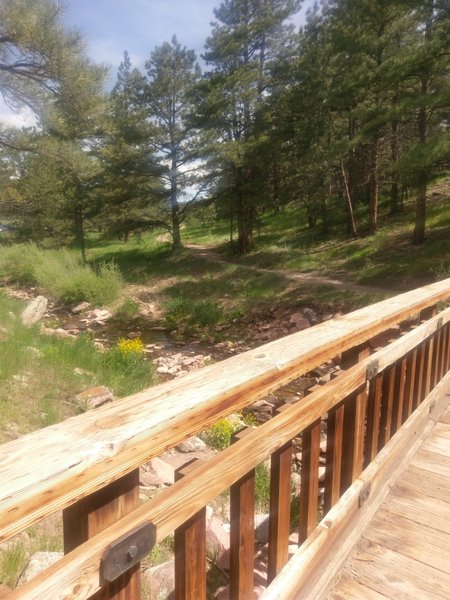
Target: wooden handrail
[80, 569]
[52, 468]
[71, 465]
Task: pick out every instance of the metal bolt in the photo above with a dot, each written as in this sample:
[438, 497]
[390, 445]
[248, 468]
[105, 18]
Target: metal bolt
[132, 552]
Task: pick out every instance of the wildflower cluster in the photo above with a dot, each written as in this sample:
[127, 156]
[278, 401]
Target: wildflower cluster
[135, 346]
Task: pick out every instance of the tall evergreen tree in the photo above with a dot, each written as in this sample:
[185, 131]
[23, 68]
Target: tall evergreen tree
[246, 42]
[129, 180]
[172, 74]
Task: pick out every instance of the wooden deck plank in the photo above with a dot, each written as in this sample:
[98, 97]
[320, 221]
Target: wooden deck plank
[349, 589]
[433, 462]
[397, 576]
[423, 509]
[404, 552]
[442, 430]
[445, 418]
[438, 446]
[429, 484]
[410, 539]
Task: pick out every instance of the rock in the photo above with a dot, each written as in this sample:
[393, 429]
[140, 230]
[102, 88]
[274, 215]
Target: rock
[82, 306]
[322, 471]
[296, 482]
[262, 528]
[95, 397]
[298, 321]
[192, 444]
[162, 470]
[218, 541]
[311, 315]
[60, 333]
[323, 446]
[161, 579]
[38, 562]
[100, 314]
[34, 311]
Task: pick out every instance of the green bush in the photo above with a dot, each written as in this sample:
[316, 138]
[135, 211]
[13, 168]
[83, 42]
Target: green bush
[193, 314]
[60, 274]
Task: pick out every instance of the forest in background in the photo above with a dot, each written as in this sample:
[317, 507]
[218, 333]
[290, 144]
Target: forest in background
[352, 108]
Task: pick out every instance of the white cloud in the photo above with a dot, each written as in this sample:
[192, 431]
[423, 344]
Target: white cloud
[17, 118]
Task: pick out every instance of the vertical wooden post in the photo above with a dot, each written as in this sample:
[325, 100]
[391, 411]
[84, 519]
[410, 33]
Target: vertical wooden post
[373, 418]
[92, 514]
[242, 534]
[190, 550]
[435, 376]
[420, 374]
[444, 350]
[411, 374]
[280, 509]
[428, 367]
[354, 418]
[399, 395]
[309, 480]
[446, 361]
[333, 465]
[387, 402]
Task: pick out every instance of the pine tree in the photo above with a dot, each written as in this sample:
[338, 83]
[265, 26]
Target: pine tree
[247, 40]
[129, 181]
[172, 74]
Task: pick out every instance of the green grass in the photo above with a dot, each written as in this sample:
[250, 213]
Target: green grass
[40, 376]
[60, 274]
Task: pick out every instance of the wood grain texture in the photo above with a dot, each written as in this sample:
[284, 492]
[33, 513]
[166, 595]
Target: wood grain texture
[309, 573]
[73, 459]
[242, 537]
[190, 550]
[91, 515]
[404, 551]
[387, 406]
[333, 465]
[309, 481]
[373, 418]
[280, 509]
[76, 576]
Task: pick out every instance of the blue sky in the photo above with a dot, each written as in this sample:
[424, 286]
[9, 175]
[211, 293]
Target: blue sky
[111, 26]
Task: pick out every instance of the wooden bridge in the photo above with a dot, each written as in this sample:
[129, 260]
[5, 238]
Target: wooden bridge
[382, 530]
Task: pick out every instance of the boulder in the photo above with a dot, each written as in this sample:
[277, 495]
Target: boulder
[160, 579]
[34, 311]
[192, 444]
[38, 562]
[81, 307]
[94, 397]
[163, 471]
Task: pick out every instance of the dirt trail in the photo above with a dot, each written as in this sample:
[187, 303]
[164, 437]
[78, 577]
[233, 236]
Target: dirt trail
[313, 279]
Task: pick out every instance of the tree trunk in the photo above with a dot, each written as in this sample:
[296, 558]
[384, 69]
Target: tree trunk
[351, 225]
[422, 126]
[395, 155]
[79, 232]
[176, 236]
[421, 203]
[374, 188]
[245, 215]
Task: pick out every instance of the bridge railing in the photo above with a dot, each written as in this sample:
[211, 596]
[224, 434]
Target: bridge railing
[88, 466]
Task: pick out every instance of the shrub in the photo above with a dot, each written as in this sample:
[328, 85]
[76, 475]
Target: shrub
[60, 274]
[193, 314]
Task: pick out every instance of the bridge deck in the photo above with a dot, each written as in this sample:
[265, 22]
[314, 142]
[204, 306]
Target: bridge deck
[404, 552]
